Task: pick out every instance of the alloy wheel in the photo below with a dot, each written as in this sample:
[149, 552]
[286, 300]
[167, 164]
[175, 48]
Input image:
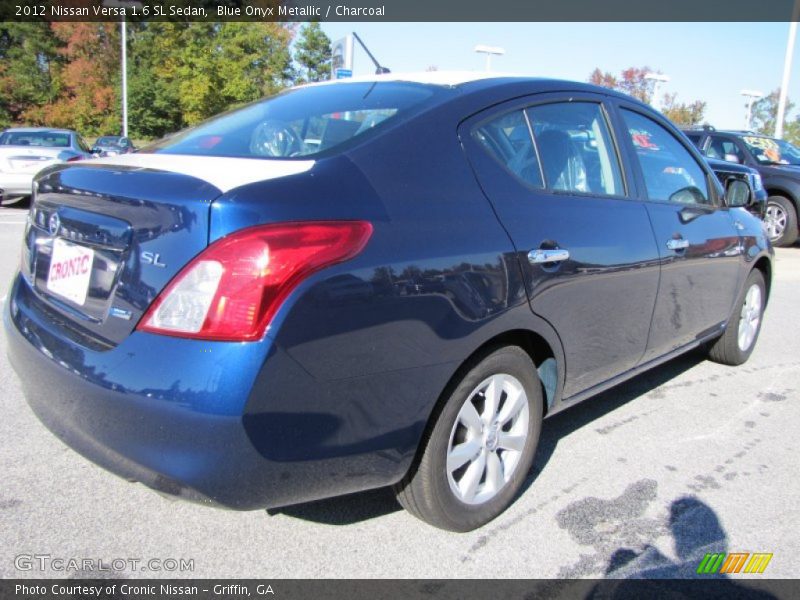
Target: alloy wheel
[749, 317]
[487, 439]
[775, 221]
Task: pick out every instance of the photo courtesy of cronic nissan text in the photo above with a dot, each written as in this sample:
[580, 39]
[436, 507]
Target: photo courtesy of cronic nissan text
[308, 300]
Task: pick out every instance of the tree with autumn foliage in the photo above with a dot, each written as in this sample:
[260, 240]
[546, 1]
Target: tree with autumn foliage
[632, 81]
[179, 73]
[89, 79]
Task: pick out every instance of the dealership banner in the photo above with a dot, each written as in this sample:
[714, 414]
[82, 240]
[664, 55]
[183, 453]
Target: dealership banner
[399, 10]
[376, 589]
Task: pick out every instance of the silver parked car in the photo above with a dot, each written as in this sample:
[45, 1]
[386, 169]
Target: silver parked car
[24, 151]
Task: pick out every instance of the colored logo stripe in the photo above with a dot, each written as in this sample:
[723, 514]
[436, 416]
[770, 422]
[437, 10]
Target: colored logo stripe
[711, 563]
[758, 563]
[734, 562]
[718, 563]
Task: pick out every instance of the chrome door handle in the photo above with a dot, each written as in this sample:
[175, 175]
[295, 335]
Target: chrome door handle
[539, 256]
[677, 244]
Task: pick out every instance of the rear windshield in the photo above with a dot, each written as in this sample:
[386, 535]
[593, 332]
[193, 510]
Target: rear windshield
[301, 122]
[35, 138]
[110, 141]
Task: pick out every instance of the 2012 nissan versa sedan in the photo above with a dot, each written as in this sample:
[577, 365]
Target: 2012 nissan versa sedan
[381, 282]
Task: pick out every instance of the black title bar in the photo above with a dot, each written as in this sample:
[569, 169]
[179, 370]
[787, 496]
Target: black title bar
[400, 10]
[710, 588]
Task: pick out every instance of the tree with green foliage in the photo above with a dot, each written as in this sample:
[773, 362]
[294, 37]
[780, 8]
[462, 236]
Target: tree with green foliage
[682, 114]
[184, 73]
[153, 102]
[29, 71]
[313, 54]
[765, 116]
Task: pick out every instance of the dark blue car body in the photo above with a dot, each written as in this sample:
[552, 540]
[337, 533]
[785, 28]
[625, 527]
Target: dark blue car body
[336, 396]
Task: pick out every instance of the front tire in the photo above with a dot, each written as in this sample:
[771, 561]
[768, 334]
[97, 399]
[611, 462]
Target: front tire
[741, 333]
[781, 221]
[478, 452]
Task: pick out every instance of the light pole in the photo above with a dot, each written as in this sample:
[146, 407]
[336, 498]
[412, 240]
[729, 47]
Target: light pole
[124, 59]
[657, 79]
[787, 71]
[752, 96]
[489, 51]
[132, 4]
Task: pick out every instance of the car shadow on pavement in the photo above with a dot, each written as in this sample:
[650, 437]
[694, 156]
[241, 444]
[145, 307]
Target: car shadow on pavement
[354, 508]
[20, 203]
[344, 510]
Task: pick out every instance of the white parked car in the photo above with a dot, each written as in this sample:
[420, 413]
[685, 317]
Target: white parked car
[24, 151]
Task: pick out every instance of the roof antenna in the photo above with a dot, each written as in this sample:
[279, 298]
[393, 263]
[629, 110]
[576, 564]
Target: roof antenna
[379, 70]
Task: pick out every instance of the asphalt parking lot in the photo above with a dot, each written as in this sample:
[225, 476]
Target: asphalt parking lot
[646, 478]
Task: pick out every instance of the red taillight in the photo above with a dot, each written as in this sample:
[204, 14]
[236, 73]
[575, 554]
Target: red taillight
[232, 290]
[74, 158]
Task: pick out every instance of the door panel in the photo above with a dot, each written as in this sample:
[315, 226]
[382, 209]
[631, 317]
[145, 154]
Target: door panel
[600, 298]
[699, 246]
[698, 283]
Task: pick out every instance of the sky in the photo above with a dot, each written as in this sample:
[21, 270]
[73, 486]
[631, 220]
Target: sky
[704, 61]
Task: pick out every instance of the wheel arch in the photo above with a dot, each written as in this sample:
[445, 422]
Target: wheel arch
[764, 265]
[535, 344]
[788, 191]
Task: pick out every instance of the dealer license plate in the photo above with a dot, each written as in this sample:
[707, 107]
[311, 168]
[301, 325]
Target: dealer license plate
[70, 271]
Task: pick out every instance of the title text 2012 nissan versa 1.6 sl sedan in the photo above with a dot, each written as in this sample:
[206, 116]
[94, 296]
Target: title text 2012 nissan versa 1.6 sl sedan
[375, 282]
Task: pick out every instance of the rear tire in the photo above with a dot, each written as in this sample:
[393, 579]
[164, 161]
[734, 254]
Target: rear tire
[476, 455]
[741, 333]
[781, 221]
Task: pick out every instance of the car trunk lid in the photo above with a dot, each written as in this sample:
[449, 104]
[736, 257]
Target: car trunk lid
[102, 241]
[106, 236]
[27, 159]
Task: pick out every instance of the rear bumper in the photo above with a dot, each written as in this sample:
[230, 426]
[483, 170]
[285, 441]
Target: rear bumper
[180, 433]
[15, 184]
[241, 426]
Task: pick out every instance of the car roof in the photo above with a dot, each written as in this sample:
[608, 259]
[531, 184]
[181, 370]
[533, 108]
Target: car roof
[36, 130]
[470, 82]
[463, 79]
[441, 78]
[740, 132]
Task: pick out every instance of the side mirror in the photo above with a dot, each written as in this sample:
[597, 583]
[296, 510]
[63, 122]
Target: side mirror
[737, 193]
[731, 158]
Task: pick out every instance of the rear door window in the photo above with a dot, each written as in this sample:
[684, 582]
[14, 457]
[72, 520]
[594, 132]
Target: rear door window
[508, 139]
[575, 148]
[671, 174]
[724, 149]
